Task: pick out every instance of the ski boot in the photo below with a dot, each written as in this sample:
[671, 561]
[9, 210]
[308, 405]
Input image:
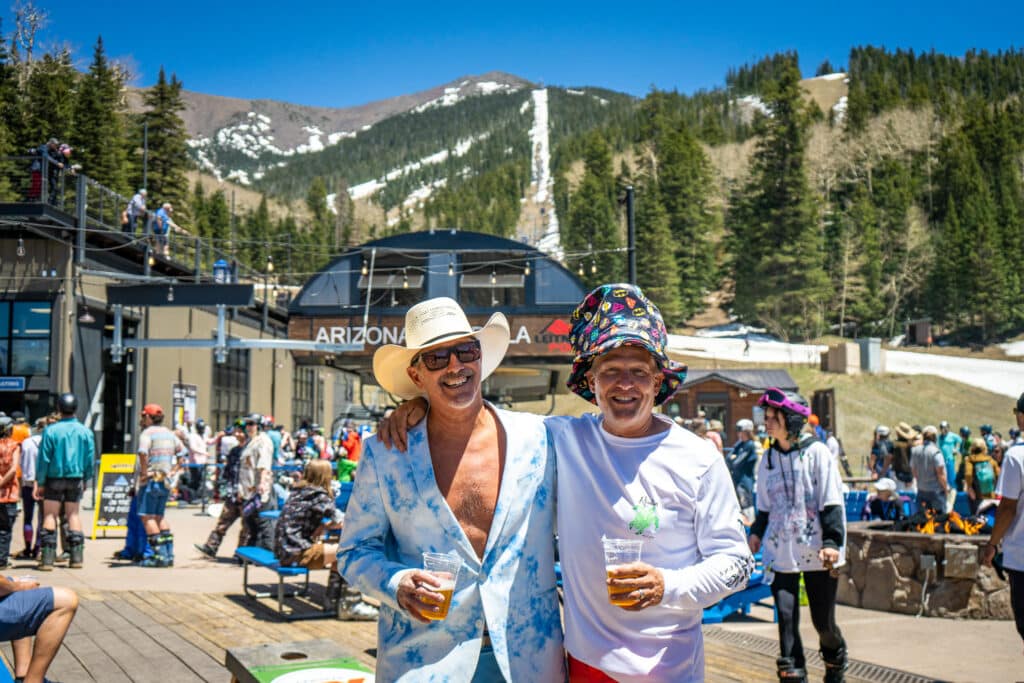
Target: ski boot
[835, 664]
[789, 672]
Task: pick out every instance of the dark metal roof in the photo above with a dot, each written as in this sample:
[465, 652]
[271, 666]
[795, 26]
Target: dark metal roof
[753, 380]
[445, 240]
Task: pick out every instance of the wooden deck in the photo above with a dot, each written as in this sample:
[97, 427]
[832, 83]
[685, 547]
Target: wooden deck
[162, 637]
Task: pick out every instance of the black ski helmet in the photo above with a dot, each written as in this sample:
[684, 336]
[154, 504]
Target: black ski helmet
[67, 403]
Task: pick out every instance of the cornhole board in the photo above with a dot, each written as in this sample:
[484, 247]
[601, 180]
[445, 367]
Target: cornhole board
[307, 661]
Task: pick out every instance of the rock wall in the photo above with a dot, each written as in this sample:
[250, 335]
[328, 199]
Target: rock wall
[884, 571]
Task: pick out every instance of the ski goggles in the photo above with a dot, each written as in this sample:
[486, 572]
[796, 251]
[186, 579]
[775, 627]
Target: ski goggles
[776, 398]
[437, 359]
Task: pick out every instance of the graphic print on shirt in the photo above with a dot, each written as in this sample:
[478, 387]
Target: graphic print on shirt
[794, 509]
[645, 519]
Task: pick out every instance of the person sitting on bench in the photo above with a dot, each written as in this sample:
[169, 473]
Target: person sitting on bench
[297, 540]
[27, 610]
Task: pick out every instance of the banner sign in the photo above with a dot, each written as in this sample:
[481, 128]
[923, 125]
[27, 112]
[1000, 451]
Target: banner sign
[183, 403]
[114, 485]
[536, 336]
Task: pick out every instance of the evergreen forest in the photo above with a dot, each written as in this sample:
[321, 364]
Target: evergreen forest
[903, 201]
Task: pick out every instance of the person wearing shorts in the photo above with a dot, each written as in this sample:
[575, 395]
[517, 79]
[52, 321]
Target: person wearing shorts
[159, 448]
[66, 456]
[26, 610]
[298, 538]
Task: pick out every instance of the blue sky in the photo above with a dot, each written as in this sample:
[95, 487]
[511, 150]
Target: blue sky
[347, 53]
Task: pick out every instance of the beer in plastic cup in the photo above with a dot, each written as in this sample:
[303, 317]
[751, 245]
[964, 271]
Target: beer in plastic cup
[618, 551]
[445, 568]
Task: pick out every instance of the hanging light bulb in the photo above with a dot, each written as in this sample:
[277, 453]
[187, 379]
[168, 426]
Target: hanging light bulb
[365, 269]
[593, 267]
[270, 263]
[494, 277]
[451, 268]
[21, 248]
[170, 294]
[53, 272]
[405, 279]
[526, 271]
[152, 261]
[580, 269]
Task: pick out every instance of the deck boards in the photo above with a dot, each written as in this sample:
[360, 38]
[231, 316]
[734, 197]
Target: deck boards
[156, 637]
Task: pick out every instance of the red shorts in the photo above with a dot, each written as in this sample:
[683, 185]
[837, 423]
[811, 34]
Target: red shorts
[584, 673]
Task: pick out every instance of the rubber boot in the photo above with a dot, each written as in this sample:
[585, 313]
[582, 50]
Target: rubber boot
[166, 551]
[835, 664]
[65, 543]
[76, 541]
[789, 672]
[333, 593]
[154, 560]
[48, 543]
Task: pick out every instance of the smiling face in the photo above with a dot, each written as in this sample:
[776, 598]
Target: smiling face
[457, 385]
[625, 382]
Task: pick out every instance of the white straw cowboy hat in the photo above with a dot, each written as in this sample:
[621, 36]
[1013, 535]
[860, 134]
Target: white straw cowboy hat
[433, 322]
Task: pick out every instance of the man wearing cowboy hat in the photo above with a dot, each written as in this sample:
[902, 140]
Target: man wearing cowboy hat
[630, 473]
[477, 483]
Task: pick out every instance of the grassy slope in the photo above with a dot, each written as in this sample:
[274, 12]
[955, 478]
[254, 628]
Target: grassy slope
[864, 401]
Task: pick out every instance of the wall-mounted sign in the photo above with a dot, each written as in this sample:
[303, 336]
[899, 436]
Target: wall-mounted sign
[535, 336]
[12, 384]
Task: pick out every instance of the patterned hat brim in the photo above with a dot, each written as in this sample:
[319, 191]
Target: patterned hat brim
[674, 373]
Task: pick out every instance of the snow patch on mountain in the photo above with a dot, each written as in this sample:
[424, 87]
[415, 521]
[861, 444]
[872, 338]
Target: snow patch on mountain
[455, 94]
[540, 172]
[371, 187]
[754, 103]
[830, 77]
[840, 109]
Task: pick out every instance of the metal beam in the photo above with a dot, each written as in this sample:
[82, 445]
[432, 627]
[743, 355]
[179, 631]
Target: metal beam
[184, 294]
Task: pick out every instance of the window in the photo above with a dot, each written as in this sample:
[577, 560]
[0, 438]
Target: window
[25, 337]
[302, 396]
[492, 289]
[231, 387]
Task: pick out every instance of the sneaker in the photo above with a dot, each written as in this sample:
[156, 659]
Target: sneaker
[64, 557]
[26, 554]
[206, 550]
[361, 611]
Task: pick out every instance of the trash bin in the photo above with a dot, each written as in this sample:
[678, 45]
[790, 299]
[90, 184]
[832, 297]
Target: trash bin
[870, 354]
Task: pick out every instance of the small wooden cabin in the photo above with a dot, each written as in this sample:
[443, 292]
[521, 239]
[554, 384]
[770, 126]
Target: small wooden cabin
[726, 395]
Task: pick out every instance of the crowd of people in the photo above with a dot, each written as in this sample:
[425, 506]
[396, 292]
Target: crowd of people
[450, 474]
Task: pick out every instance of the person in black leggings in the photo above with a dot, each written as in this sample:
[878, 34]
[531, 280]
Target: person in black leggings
[800, 516]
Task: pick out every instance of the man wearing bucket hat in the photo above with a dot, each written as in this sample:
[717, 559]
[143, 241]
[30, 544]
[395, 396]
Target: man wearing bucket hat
[633, 474]
[477, 483]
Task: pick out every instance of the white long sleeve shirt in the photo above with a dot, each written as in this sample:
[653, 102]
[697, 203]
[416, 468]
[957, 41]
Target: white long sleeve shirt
[674, 491]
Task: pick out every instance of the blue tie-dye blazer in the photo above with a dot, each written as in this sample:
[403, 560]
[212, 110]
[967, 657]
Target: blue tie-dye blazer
[397, 512]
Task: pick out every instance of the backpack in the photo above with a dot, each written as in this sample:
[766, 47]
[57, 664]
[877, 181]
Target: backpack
[984, 478]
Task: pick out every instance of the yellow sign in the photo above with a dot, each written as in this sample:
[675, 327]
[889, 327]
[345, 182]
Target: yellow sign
[114, 484]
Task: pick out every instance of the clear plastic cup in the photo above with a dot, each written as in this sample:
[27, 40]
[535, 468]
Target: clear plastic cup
[445, 567]
[620, 551]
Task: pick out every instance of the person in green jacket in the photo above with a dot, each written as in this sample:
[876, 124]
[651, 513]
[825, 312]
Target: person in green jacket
[66, 455]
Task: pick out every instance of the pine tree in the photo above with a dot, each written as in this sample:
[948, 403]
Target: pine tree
[592, 230]
[98, 135]
[49, 99]
[778, 265]
[167, 158]
[685, 184]
[659, 276]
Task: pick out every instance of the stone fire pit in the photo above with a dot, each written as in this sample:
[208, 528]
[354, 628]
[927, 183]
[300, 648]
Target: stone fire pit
[884, 571]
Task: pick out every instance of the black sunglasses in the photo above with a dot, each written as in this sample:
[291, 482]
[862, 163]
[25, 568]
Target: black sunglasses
[437, 359]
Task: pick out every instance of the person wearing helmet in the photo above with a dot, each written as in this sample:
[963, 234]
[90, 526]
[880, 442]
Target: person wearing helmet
[742, 463]
[800, 516]
[986, 433]
[67, 453]
[255, 486]
[880, 460]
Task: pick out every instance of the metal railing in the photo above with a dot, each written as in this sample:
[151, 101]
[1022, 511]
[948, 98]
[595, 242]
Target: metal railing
[35, 179]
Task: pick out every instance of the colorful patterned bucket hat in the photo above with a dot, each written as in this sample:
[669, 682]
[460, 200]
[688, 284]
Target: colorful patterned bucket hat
[619, 315]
